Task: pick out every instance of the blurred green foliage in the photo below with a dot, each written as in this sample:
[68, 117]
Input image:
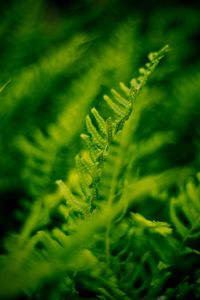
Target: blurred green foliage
[118, 223]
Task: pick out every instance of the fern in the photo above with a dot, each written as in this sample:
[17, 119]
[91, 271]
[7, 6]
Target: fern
[74, 246]
[83, 235]
[99, 140]
[184, 212]
[121, 220]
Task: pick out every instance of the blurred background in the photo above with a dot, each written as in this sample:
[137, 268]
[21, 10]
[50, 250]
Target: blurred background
[56, 60]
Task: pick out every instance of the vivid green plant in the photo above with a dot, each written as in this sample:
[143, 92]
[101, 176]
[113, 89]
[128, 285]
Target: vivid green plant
[103, 184]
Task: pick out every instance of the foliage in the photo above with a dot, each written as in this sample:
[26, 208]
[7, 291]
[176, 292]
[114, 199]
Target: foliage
[99, 188]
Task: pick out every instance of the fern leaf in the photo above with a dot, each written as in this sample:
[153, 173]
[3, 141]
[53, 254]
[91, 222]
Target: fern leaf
[124, 89]
[119, 111]
[121, 100]
[71, 200]
[96, 137]
[94, 152]
[109, 130]
[158, 227]
[100, 121]
[83, 176]
[185, 213]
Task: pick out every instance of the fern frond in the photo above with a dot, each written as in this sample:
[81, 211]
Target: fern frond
[52, 254]
[185, 213]
[158, 227]
[122, 107]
